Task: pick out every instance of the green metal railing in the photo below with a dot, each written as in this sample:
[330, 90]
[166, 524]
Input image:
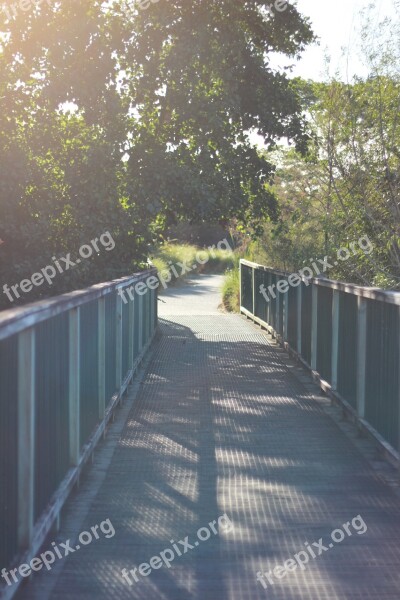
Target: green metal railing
[64, 365]
[348, 335]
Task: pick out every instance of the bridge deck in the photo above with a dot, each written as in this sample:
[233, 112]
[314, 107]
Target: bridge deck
[222, 423]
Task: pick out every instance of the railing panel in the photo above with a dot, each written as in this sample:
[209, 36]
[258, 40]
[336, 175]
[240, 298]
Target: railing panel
[125, 337]
[268, 279]
[143, 319]
[261, 304]
[148, 314]
[292, 314]
[273, 302]
[280, 298]
[111, 333]
[324, 333]
[347, 348]
[136, 328]
[381, 390]
[89, 357]
[8, 450]
[306, 321]
[151, 292]
[247, 291]
[52, 410]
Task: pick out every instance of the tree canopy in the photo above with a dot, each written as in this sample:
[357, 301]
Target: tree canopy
[348, 184]
[128, 117]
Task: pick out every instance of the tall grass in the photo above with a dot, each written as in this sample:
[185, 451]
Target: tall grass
[231, 290]
[170, 254]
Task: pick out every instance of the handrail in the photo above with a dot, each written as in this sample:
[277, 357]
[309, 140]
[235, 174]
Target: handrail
[347, 335]
[372, 293]
[65, 364]
[15, 320]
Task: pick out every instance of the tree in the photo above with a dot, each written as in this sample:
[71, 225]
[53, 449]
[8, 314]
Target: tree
[63, 134]
[199, 79]
[116, 117]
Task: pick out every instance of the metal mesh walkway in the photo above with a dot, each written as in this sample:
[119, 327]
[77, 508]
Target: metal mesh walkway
[221, 425]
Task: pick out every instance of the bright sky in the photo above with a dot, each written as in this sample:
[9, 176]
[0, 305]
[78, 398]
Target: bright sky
[337, 23]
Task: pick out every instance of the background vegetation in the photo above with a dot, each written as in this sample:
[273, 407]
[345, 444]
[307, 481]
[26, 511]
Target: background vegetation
[168, 254]
[348, 183]
[142, 123]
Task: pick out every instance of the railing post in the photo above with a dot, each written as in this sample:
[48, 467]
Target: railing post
[140, 300]
[102, 357]
[267, 304]
[299, 318]
[361, 355]
[131, 327]
[144, 321]
[240, 284]
[253, 288]
[148, 314]
[335, 338]
[26, 436]
[74, 386]
[153, 304]
[153, 293]
[118, 343]
[156, 309]
[277, 312]
[314, 327]
[145, 316]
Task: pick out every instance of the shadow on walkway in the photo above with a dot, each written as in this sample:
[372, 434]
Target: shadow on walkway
[222, 426]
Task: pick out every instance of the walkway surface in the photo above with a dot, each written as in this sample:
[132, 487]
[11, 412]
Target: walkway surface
[221, 425]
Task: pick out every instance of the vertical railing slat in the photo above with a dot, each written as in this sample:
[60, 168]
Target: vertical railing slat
[286, 316]
[253, 289]
[26, 436]
[277, 312]
[131, 332]
[314, 327]
[102, 357]
[241, 284]
[74, 386]
[299, 318]
[141, 322]
[118, 343]
[335, 338]
[361, 355]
